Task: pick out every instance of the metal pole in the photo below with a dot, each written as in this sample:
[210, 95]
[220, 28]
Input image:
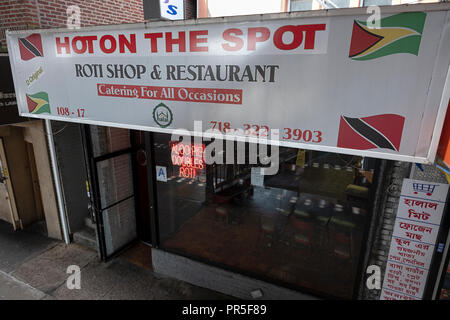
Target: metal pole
[53, 164]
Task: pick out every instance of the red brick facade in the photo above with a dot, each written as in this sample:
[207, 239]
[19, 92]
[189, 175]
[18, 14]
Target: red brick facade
[52, 13]
[18, 13]
[190, 9]
[93, 12]
[115, 175]
[28, 14]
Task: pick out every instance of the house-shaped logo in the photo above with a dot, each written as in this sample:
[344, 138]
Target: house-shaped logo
[162, 115]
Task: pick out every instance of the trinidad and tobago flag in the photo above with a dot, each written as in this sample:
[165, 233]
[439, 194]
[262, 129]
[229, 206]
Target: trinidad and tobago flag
[38, 103]
[400, 33]
[380, 131]
[31, 47]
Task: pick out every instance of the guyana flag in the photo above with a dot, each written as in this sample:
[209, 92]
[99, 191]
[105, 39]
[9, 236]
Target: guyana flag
[400, 33]
[38, 103]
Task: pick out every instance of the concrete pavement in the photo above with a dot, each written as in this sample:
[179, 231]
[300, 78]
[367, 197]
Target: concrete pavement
[33, 267]
[18, 247]
[14, 289]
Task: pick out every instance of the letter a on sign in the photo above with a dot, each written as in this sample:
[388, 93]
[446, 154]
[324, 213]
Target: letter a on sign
[161, 174]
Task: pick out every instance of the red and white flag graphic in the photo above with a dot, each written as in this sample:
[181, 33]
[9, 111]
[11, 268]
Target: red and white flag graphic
[379, 131]
[31, 47]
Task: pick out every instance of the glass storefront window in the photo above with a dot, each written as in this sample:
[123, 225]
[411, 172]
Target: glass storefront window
[304, 5]
[302, 227]
[113, 176]
[340, 3]
[115, 179]
[366, 3]
[301, 5]
[445, 292]
[107, 139]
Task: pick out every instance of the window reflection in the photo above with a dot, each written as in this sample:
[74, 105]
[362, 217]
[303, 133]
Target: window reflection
[302, 227]
[304, 5]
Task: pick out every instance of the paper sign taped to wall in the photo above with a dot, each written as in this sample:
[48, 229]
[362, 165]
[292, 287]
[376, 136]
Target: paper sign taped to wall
[161, 173]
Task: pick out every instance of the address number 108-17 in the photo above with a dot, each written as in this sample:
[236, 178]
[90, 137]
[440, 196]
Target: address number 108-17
[65, 111]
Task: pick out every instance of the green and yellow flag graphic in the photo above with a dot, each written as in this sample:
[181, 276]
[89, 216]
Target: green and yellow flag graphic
[400, 33]
[38, 103]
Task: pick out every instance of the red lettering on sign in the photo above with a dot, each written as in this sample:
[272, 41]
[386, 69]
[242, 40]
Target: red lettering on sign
[181, 41]
[259, 34]
[62, 45]
[111, 43]
[230, 36]
[130, 44]
[194, 41]
[296, 41]
[310, 33]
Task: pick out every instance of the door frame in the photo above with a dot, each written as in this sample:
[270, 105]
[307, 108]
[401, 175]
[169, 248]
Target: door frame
[35, 181]
[152, 187]
[144, 202]
[95, 195]
[16, 222]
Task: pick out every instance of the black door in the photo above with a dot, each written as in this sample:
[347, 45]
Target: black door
[111, 156]
[142, 165]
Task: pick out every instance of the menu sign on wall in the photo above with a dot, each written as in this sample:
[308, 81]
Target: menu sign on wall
[414, 238]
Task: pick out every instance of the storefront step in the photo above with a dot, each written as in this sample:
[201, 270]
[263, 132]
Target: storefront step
[86, 237]
[220, 280]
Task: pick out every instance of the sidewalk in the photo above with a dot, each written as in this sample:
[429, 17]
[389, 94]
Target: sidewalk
[13, 289]
[40, 272]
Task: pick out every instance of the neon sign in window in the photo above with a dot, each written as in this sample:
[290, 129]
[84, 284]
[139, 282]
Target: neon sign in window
[189, 157]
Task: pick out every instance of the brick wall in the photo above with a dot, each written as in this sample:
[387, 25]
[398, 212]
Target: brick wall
[93, 12]
[18, 13]
[28, 14]
[123, 179]
[190, 9]
[385, 220]
[115, 178]
[384, 224]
